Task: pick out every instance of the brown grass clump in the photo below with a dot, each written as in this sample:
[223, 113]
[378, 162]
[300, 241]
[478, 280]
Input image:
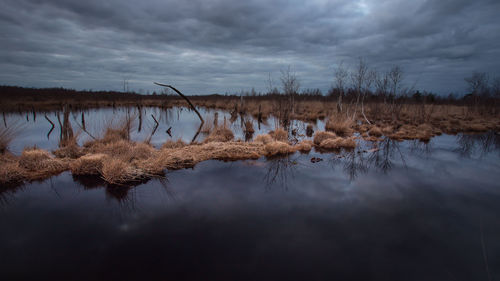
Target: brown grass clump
[337, 143]
[113, 135]
[34, 159]
[341, 126]
[387, 130]
[230, 151]
[141, 151]
[38, 163]
[208, 125]
[117, 171]
[249, 127]
[117, 148]
[279, 134]
[322, 135]
[304, 146]
[221, 134]
[266, 138]
[88, 165]
[10, 172]
[375, 131]
[278, 148]
[173, 144]
[71, 150]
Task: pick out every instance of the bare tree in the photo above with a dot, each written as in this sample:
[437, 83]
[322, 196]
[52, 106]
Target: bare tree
[382, 84]
[368, 81]
[291, 85]
[289, 81]
[395, 77]
[358, 78]
[341, 75]
[478, 83]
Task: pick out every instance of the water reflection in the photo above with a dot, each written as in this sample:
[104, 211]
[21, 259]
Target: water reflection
[470, 145]
[280, 170]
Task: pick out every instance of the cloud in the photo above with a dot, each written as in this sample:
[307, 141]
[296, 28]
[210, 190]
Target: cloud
[224, 46]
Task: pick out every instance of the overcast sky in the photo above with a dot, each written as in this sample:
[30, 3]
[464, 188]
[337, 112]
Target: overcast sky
[209, 46]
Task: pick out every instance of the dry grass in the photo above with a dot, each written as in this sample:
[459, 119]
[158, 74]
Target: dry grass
[279, 135]
[173, 144]
[266, 138]
[340, 125]
[71, 150]
[117, 171]
[337, 143]
[10, 172]
[37, 164]
[375, 131]
[88, 165]
[320, 136]
[304, 146]
[249, 127]
[208, 125]
[220, 134]
[278, 148]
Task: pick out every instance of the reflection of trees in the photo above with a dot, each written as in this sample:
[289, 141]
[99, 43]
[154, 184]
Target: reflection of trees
[359, 161]
[470, 144]
[382, 157]
[421, 147]
[354, 163]
[279, 170]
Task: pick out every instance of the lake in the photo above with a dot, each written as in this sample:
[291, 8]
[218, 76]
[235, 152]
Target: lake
[405, 211]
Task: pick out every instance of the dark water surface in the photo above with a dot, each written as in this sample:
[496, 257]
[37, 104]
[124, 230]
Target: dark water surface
[409, 211]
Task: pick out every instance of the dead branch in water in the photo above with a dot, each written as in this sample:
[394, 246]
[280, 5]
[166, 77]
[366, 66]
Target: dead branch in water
[148, 140]
[52, 128]
[183, 96]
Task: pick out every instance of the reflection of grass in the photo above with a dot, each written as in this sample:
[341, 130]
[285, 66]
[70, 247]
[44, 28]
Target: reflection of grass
[7, 135]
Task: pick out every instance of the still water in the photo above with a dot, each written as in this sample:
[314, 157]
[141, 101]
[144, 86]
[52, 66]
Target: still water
[35, 129]
[408, 211]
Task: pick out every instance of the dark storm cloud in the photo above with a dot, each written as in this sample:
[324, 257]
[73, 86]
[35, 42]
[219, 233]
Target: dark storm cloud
[221, 45]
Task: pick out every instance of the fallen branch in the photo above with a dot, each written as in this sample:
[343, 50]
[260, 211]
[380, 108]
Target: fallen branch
[148, 140]
[52, 128]
[183, 96]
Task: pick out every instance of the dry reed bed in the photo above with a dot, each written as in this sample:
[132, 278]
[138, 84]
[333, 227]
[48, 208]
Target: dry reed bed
[120, 161]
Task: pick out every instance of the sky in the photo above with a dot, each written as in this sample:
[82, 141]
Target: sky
[219, 46]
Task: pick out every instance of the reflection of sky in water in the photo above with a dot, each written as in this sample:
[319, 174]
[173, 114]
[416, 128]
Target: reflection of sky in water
[183, 121]
[423, 218]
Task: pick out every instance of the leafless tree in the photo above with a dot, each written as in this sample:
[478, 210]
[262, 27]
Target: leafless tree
[478, 83]
[358, 79]
[291, 85]
[341, 75]
[395, 78]
[382, 84]
[289, 81]
[368, 81]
